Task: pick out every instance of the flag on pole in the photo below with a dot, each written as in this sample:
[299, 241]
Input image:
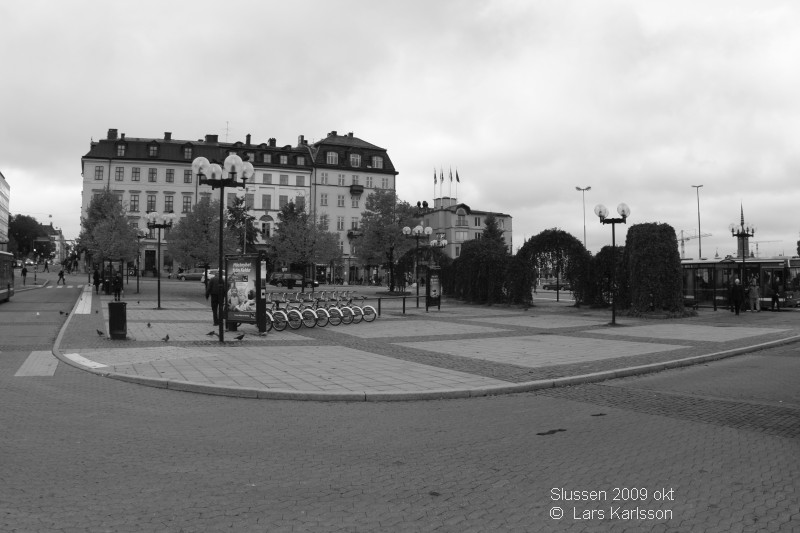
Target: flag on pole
[451, 175]
[457, 180]
[434, 176]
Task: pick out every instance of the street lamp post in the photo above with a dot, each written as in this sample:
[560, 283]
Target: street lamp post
[624, 211]
[742, 233]
[159, 222]
[699, 235]
[583, 193]
[211, 174]
[417, 233]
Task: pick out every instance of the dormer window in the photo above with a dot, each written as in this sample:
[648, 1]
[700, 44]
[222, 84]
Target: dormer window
[187, 152]
[301, 160]
[267, 158]
[120, 150]
[355, 160]
[377, 162]
[284, 160]
[152, 150]
[332, 158]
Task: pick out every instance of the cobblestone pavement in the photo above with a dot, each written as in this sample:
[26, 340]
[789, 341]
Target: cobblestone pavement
[84, 453]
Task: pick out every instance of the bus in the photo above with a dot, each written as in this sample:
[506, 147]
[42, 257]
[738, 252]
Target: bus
[706, 282]
[6, 276]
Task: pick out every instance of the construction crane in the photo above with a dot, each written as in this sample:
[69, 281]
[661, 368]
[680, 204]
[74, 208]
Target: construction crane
[756, 243]
[690, 238]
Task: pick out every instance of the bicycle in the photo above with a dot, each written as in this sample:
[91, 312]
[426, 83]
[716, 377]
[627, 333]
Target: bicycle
[368, 312]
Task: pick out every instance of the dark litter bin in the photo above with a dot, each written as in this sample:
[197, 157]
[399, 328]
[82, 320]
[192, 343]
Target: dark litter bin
[117, 320]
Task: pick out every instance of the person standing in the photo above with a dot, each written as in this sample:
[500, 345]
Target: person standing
[61, 277]
[212, 290]
[755, 295]
[46, 268]
[737, 295]
[96, 281]
[117, 286]
[24, 273]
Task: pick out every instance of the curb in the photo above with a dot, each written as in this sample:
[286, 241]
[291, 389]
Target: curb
[378, 396]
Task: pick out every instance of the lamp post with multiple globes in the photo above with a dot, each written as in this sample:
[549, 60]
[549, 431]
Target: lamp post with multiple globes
[159, 222]
[602, 212]
[417, 233]
[212, 174]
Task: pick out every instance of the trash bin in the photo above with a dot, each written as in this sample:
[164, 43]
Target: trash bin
[117, 320]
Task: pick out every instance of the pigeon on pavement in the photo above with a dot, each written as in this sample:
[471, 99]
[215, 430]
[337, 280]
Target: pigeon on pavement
[100, 333]
[166, 339]
[240, 337]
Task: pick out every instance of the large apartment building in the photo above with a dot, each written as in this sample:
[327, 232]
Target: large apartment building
[330, 178]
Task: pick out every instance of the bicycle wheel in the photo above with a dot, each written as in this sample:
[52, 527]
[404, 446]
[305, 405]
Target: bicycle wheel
[323, 317]
[335, 316]
[369, 313]
[281, 320]
[309, 317]
[270, 321]
[347, 314]
[358, 314]
[295, 319]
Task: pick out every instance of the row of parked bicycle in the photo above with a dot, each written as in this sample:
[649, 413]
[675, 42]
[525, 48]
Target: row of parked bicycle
[304, 309]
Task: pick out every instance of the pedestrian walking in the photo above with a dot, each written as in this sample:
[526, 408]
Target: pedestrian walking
[61, 277]
[737, 295]
[776, 293]
[96, 281]
[212, 290]
[117, 285]
[24, 273]
[46, 269]
[755, 295]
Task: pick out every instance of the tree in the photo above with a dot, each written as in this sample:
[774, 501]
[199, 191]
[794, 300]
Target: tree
[491, 230]
[299, 240]
[23, 233]
[105, 231]
[556, 253]
[195, 238]
[382, 221]
[652, 265]
[240, 222]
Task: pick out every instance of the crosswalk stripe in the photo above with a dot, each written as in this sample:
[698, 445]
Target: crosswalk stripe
[39, 363]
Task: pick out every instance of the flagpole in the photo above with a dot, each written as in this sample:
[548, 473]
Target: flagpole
[457, 180]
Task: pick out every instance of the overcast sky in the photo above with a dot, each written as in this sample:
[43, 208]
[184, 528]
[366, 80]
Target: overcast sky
[527, 99]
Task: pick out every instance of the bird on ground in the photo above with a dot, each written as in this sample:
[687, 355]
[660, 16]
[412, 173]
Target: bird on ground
[138, 302]
[61, 312]
[211, 333]
[148, 324]
[166, 339]
[240, 337]
[100, 333]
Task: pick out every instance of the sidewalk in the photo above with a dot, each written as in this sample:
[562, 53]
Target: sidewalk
[460, 351]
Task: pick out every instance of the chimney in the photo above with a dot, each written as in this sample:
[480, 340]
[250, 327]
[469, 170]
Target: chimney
[272, 141]
[332, 134]
[300, 140]
[167, 135]
[247, 139]
[122, 136]
[112, 134]
[212, 138]
[350, 134]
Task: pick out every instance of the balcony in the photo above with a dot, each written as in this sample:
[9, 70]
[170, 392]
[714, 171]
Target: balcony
[356, 190]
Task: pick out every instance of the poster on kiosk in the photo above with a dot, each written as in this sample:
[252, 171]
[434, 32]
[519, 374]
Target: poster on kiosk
[433, 295]
[241, 289]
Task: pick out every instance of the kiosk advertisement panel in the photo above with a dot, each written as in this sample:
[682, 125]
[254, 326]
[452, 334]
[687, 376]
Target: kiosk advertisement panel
[240, 292]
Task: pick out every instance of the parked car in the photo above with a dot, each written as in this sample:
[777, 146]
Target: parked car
[553, 286]
[290, 279]
[194, 274]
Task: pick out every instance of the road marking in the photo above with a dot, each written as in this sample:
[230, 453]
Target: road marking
[38, 363]
[84, 306]
[78, 358]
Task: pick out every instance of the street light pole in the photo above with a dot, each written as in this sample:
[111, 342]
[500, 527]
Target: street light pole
[233, 166]
[742, 233]
[583, 193]
[624, 211]
[699, 235]
[159, 222]
[417, 233]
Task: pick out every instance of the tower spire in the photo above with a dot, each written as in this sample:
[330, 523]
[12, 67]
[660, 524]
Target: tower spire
[742, 211]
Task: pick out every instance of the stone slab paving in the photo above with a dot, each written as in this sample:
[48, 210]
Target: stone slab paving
[690, 332]
[543, 322]
[541, 350]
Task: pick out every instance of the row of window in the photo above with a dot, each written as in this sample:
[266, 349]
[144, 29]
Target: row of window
[332, 158]
[153, 150]
[136, 174]
[354, 200]
[325, 220]
[266, 201]
[354, 180]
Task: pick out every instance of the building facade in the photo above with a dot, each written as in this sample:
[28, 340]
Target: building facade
[329, 179]
[5, 202]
